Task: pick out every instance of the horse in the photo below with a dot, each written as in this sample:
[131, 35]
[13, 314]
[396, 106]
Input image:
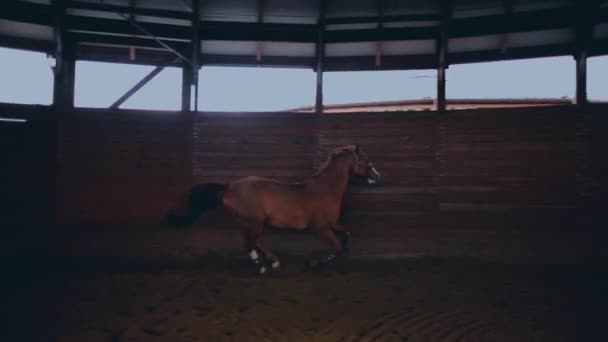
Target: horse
[311, 204]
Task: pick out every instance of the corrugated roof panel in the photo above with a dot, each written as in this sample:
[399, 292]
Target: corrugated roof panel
[408, 47]
[538, 38]
[601, 30]
[176, 5]
[411, 24]
[25, 30]
[169, 21]
[291, 11]
[95, 14]
[223, 47]
[350, 49]
[124, 3]
[362, 26]
[351, 8]
[229, 10]
[476, 8]
[536, 5]
[288, 49]
[399, 7]
[44, 2]
[478, 43]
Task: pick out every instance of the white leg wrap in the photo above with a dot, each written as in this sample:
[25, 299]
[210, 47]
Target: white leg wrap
[253, 255]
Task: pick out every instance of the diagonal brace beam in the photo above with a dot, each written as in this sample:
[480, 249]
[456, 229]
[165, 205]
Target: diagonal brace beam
[140, 84]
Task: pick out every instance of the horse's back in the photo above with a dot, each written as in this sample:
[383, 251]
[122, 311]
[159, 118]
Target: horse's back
[262, 199]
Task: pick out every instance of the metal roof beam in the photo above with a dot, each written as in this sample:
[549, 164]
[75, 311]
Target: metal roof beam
[140, 84]
[397, 62]
[383, 19]
[216, 30]
[196, 48]
[128, 10]
[259, 44]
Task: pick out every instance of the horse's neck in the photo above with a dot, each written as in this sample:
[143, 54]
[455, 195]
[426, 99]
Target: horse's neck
[335, 176]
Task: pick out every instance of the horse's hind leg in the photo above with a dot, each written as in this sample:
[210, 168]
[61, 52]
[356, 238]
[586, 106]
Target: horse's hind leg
[256, 252]
[251, 238]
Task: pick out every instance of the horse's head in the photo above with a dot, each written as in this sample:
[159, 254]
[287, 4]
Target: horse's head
[363, 168]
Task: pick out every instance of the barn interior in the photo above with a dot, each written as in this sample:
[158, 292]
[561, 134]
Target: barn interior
[488, 223]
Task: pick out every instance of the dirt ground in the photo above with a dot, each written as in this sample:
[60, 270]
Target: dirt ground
[220, 299]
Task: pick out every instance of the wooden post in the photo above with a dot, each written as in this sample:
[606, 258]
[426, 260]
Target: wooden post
[186, 84]
[320, 58]
[442, 52]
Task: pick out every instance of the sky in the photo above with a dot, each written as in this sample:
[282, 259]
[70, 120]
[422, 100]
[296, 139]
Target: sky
[25, 77]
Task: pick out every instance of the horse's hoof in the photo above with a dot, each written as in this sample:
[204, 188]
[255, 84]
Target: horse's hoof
[276, 264]
[262, 270]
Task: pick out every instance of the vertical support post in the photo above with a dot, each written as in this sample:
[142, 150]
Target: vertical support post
[259, 45]
[442, 52]
[581, 78]
[320, 57]
[186, 91]
[585, 23]
[65, 56]
[196, 48]
[508, 8]
[380, 6]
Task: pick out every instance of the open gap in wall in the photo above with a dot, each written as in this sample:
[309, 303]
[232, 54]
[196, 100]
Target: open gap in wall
[99, 85]
[255, 89]
[526, 82]
[355, 91]
[597, 74]
[26, 77]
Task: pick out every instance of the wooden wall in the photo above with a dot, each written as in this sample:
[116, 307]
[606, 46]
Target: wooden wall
[115, 166]
[526, 183]
[25, 165]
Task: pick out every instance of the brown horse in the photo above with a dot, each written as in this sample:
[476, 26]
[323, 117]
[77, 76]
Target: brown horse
[257, 202]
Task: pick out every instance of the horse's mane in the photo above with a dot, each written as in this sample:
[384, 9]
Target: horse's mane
[332, 156]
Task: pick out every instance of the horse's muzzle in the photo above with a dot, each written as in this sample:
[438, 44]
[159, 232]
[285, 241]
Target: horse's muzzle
[373, 176]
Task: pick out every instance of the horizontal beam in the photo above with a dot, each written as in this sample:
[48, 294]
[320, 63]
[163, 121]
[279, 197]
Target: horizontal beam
[403, 62]
[125, 41]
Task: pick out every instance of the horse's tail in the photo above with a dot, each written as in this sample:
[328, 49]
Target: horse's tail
[202, 197]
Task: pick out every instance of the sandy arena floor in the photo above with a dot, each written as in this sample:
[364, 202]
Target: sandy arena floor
[356, 300]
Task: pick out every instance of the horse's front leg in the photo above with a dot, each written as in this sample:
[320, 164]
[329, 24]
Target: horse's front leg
[344, 236]
[337, 246]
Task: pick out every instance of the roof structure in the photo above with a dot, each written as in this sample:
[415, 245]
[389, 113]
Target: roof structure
[345, 34]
